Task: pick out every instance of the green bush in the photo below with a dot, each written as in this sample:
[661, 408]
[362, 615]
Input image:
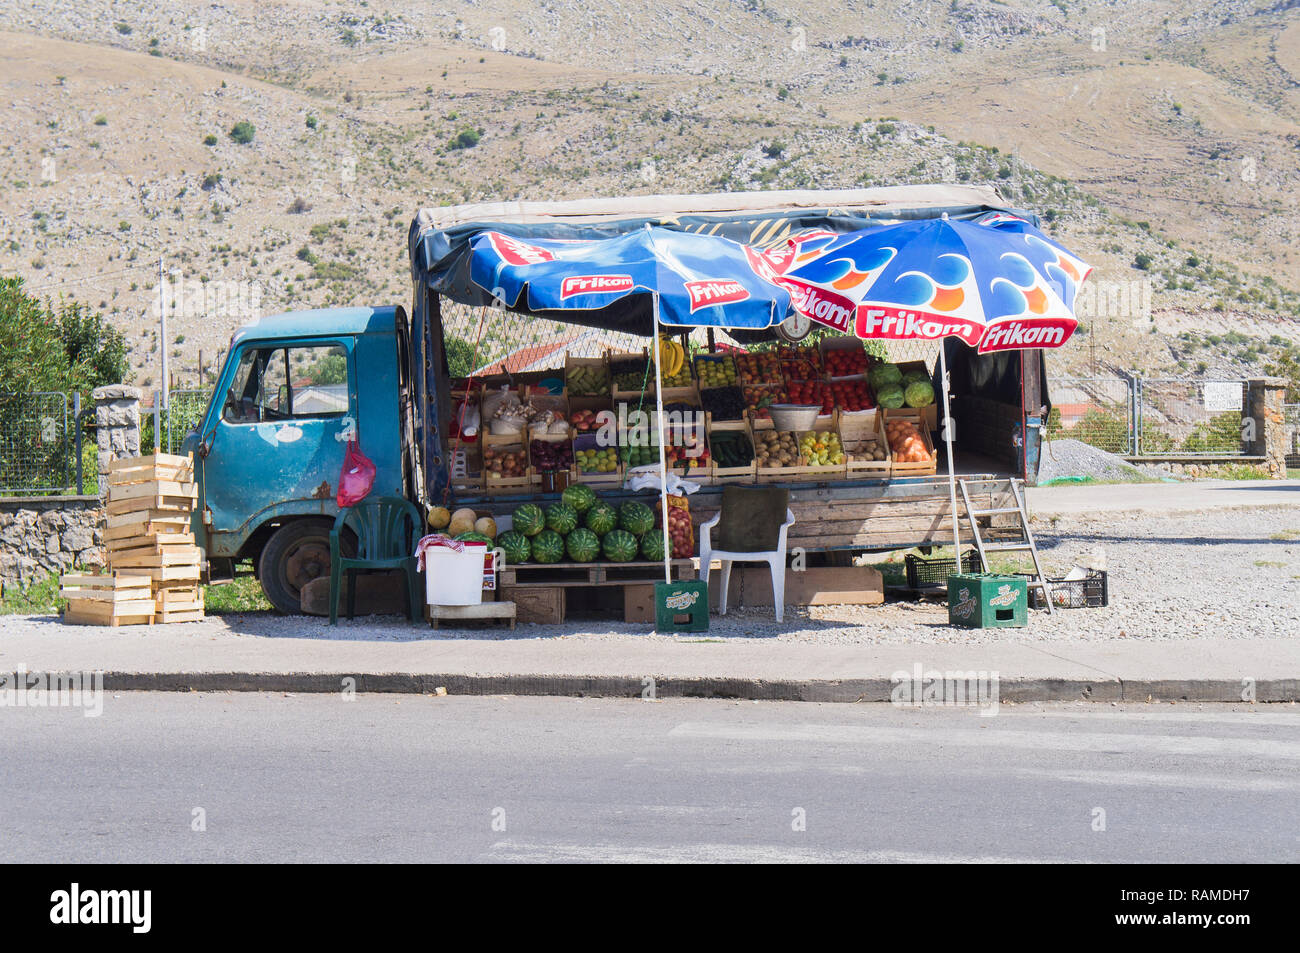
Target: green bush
[242, 132]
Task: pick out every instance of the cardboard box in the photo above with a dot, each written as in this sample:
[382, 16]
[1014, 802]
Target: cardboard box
[819, 586]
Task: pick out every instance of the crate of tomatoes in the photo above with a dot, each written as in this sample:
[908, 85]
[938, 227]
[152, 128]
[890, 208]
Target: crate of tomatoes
[852, 394]
[809, 392]
[843, 357]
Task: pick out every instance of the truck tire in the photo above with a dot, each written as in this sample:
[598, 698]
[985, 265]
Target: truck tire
[296, 553]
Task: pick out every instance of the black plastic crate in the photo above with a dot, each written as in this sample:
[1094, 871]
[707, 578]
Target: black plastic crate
[925, 573]
[1092, 591]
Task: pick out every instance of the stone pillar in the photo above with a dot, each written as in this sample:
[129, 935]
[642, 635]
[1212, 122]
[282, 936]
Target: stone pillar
[1266, 418]
[117, 426]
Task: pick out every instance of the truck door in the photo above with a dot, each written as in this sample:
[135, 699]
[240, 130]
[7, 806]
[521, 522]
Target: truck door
[277, 447]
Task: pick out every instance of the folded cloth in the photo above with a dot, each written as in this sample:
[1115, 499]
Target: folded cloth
[435, 539]
[648, 479]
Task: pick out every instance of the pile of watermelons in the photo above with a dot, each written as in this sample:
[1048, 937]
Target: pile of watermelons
[583, 528]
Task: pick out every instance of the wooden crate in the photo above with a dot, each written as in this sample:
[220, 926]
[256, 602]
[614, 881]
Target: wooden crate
[136, 526]
[471, 480]
[801, 474]
[626, 394]
[145, 557]
[899, 469]
[507, 485]
[571, 362]
[116, 599]
[859, 430]
[721, 474]
[167, 505]
[174, 603]
[610, 480]
[155, 468]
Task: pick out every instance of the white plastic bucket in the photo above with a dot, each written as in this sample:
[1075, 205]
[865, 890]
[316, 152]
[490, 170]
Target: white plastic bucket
[452, 578]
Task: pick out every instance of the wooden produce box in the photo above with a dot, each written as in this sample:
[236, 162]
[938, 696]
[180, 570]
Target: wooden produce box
[596, 363]
[115, 599]
[899, 468]
[742, 474]
[178, 603]
[646, 382]
[798, 472]
[471, 479]
[539, 476]
[859, 432]
[538, 604]
[608, 480]
[509, 443]
[929, 414]
[843, 343]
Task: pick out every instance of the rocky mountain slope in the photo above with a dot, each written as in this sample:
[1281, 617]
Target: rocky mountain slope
[1160, 140]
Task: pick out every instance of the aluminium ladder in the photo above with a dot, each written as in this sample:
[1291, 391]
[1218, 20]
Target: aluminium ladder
[1024, 545]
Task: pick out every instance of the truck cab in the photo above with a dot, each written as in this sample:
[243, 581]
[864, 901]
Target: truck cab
[294, 389]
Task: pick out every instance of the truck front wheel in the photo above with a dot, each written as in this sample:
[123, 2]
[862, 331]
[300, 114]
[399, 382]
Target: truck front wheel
[296, 553]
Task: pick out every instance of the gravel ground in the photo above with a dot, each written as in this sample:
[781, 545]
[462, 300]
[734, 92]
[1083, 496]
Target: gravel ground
[1226, 574]
[1064, 457]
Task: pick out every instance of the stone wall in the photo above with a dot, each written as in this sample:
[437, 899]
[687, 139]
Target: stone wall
[41, 535]
[1265, 401]
[117, 426]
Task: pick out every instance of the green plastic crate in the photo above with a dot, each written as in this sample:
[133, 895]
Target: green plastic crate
[682, 606]
[986, 601]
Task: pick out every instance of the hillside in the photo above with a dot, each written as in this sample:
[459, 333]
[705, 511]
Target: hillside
[1159, 140]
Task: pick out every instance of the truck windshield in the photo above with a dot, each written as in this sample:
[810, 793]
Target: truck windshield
[277, 383]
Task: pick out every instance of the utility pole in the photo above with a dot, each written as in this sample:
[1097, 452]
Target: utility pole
[163, 305]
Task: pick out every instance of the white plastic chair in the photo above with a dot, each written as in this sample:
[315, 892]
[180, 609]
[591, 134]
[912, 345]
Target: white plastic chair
[774, 559]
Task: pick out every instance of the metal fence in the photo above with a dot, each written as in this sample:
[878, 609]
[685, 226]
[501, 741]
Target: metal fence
[1152, 416]
[1099, 411]
[185, 408]
[1180, 417]
[1291, 426]
[39, 443]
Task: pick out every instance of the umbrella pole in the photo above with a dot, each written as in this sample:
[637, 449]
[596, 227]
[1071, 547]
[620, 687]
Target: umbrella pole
[663, 453]
[946, 433]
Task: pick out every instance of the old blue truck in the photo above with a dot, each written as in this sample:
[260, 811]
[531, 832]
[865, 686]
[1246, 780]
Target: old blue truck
[294, 388]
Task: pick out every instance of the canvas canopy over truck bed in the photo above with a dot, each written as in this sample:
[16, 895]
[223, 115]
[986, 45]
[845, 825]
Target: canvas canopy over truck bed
[440, 252]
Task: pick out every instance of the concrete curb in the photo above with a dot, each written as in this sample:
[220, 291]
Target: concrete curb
[1019, 690]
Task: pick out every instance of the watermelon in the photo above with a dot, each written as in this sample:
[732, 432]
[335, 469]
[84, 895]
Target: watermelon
[619, 546]
[529, 519]
[582, 545]
[652, 545]
[601, 518]
[547, 547]
[561, 517]
[636, 518]
[515, 546]
[473, 537]
[579, 496]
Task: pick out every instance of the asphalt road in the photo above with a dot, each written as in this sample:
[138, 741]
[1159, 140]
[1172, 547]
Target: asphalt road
[410, 778]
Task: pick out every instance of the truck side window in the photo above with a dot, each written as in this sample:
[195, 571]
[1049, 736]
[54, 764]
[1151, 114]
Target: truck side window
[280, 383]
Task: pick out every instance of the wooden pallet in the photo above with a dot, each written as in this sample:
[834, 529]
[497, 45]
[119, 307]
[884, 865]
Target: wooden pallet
[113, 600]
[592, 574]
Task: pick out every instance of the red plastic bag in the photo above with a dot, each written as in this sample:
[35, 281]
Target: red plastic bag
[357, 478]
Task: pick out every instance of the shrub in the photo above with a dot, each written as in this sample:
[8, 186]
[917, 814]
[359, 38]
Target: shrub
[242, 132]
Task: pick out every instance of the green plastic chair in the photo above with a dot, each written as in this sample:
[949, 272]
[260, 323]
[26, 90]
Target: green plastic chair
[387, 529]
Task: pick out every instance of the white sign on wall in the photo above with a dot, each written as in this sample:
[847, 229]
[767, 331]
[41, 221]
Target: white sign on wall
[1222, 396]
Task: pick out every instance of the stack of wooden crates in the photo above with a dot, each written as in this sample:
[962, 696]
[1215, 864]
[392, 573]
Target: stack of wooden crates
[147, 540]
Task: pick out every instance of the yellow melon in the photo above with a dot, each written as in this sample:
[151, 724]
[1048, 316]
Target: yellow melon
[462, 521]
[487, 526]
[439, 517]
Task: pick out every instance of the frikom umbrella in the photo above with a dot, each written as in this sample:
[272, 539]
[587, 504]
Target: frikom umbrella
[997, 284]
[691, 279]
